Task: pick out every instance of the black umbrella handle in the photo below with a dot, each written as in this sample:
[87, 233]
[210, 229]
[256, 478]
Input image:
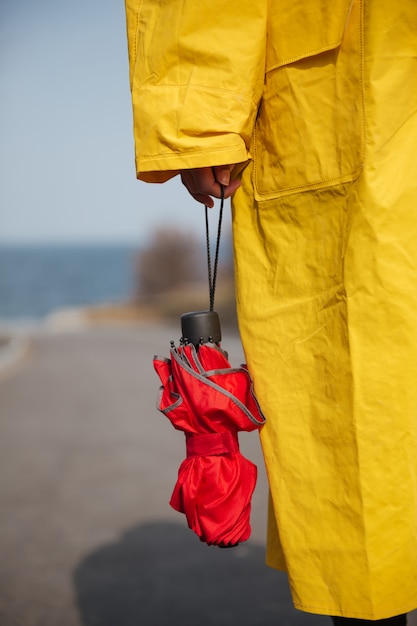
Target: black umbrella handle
[201, 327]
[212, 276]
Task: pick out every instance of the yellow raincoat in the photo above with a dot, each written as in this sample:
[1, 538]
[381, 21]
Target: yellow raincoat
[318, 98]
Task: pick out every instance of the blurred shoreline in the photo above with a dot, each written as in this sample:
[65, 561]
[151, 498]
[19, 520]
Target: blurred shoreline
[165, 309]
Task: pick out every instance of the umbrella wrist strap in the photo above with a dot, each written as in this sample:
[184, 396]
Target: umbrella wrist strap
[212, 274]
[212, 444]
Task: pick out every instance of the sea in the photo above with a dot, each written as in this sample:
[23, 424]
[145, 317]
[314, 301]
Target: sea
[37, 280]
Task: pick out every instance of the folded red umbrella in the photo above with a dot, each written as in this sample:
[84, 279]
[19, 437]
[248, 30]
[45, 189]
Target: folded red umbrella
[210, 401]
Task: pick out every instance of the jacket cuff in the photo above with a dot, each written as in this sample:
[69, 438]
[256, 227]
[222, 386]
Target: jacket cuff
[160, 168]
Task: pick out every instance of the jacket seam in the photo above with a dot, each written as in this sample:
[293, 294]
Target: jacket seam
[135, 41]
[172, 155]
[238, 95]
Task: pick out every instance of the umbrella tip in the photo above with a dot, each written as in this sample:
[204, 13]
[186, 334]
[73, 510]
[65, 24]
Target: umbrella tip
[200, 327]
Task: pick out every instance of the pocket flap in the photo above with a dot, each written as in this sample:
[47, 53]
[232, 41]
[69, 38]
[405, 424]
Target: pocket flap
[303, 28]
[309, 133]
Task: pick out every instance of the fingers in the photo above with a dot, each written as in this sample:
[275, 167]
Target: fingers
[204, 183]
[201, 184]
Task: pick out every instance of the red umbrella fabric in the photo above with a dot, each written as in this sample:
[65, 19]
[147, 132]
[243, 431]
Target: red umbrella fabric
[207, 399]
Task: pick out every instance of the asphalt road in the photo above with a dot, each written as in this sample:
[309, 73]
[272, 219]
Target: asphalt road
[87, 466]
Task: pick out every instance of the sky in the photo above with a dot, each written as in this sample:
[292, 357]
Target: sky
[66, 143]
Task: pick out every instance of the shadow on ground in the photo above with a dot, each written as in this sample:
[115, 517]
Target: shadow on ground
[159, 574]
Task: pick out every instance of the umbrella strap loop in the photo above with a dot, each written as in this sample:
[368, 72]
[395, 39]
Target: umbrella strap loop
[212, 444]
[212, 277]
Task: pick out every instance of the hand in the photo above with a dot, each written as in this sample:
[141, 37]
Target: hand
[204, 182]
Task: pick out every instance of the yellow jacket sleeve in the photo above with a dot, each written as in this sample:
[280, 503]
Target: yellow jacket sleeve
[196, 76]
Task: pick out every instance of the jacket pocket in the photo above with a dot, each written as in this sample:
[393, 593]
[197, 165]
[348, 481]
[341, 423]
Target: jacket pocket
[309, 133]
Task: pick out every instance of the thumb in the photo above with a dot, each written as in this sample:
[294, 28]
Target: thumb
[222, 174]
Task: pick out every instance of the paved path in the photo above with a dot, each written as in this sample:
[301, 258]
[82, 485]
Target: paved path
[87, 466]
